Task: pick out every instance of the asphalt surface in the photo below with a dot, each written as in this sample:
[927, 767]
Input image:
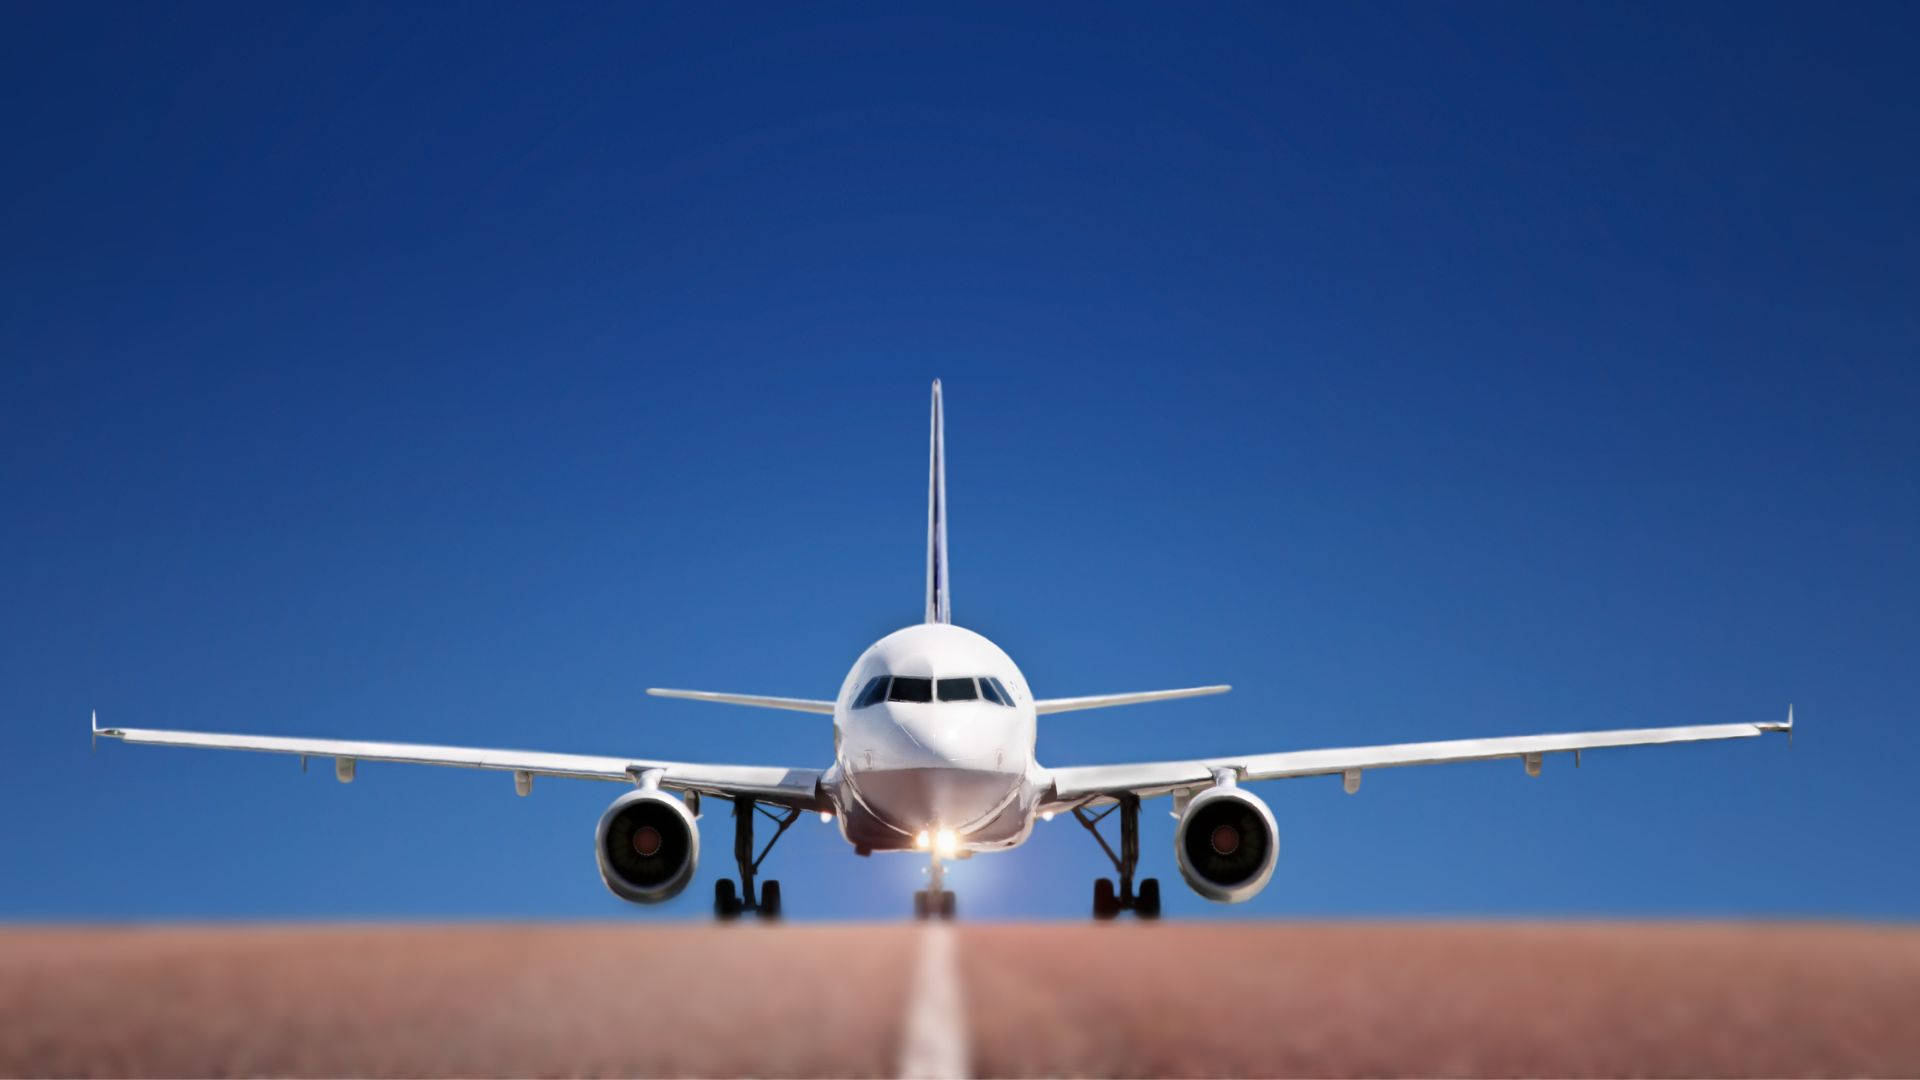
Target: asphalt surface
[1043, 999]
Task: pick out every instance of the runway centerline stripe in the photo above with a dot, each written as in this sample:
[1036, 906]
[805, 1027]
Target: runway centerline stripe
[935, 1040]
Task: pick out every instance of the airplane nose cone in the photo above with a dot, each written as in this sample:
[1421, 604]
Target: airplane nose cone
[913, 799]
[937, 764]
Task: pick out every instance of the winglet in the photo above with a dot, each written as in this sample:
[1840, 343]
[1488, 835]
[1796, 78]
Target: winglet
[93, 737]
[1786, 727]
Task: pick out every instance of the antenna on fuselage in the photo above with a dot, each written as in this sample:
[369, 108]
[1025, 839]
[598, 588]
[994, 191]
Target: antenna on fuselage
[939, 598]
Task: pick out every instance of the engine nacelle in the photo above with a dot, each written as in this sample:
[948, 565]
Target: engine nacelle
[647, 844]
[1227, 844]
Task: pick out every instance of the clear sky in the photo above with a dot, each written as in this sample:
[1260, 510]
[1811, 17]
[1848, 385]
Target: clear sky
[1424, 371]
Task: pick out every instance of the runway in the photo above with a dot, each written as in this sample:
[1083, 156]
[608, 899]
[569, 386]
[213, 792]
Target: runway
[1196, 999]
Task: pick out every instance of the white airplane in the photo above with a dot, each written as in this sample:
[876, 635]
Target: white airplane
[933, 739]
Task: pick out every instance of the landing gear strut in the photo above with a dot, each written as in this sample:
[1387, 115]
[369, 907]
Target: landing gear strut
[1107, 901]
[934, 902]
[728, 904]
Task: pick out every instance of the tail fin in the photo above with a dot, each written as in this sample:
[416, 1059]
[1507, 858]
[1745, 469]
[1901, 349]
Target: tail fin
[939, 599]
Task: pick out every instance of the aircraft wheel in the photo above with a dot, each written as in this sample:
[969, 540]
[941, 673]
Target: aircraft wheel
[920, 904]
[770, 900]
[947, 905]
[726, 902]
[1105, 904]
[1147, 904]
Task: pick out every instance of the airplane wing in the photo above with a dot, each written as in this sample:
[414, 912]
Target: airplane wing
[788, 787]
[808, 705]
[1043, 706]
[1100, 782]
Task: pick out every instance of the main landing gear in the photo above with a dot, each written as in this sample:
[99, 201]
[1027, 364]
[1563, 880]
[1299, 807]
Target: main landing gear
[1107, 901]
[729, 904]
[934, 902]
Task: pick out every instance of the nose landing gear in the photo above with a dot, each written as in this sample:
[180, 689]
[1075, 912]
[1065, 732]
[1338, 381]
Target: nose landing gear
[729, 904]
[934, 902]
[1109, 902]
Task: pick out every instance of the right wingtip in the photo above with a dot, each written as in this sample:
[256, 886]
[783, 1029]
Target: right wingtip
[95, 731]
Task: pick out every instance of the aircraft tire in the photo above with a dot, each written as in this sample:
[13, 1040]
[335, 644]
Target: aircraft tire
[947, 905]
[726, 902]
[1147, 904]
[769, 901]
[1105, 903]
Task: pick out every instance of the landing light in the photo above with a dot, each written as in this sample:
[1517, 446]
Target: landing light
[1046, 815]
[920, 841]
[947, 843]
[826, 815]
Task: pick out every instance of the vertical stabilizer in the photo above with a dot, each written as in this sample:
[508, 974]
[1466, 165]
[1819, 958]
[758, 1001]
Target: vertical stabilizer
[939, 600]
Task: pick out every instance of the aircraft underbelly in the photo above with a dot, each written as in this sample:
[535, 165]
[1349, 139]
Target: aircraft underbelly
[915, 798]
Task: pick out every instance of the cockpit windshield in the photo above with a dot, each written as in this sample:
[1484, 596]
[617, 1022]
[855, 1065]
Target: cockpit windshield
[908, 688]
[991, 689]
[873, 693]
[916, 690]
[958, 690]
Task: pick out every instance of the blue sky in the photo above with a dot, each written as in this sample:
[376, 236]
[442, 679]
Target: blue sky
[1423, 371]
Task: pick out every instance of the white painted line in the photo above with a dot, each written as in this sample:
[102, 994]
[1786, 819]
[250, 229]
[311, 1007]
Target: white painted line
[935, 1046]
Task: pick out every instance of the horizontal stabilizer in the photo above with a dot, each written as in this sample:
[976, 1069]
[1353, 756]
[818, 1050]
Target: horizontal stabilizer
[1101, 701]
[760, 701]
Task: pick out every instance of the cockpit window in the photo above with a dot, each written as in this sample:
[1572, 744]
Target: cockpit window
[957, 690]
[915, 689]
[873, 693]
[908, 688]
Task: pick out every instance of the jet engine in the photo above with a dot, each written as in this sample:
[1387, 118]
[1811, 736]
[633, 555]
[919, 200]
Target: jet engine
[647, 844]
[1227, 844]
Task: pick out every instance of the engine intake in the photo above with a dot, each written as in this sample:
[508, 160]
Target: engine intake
[1227, 844]
[647, 845]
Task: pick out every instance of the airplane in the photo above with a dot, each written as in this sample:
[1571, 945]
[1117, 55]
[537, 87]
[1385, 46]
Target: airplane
[933, 753]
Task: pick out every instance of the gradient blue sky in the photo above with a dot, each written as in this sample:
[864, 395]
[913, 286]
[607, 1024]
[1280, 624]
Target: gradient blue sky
[1425, 371]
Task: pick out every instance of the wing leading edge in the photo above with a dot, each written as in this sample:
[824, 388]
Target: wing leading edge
[1075, 784]
[758, 701]
[789, 787]
[1043, 706]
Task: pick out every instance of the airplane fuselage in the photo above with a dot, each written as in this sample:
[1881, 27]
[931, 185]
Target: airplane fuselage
[942, 742]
